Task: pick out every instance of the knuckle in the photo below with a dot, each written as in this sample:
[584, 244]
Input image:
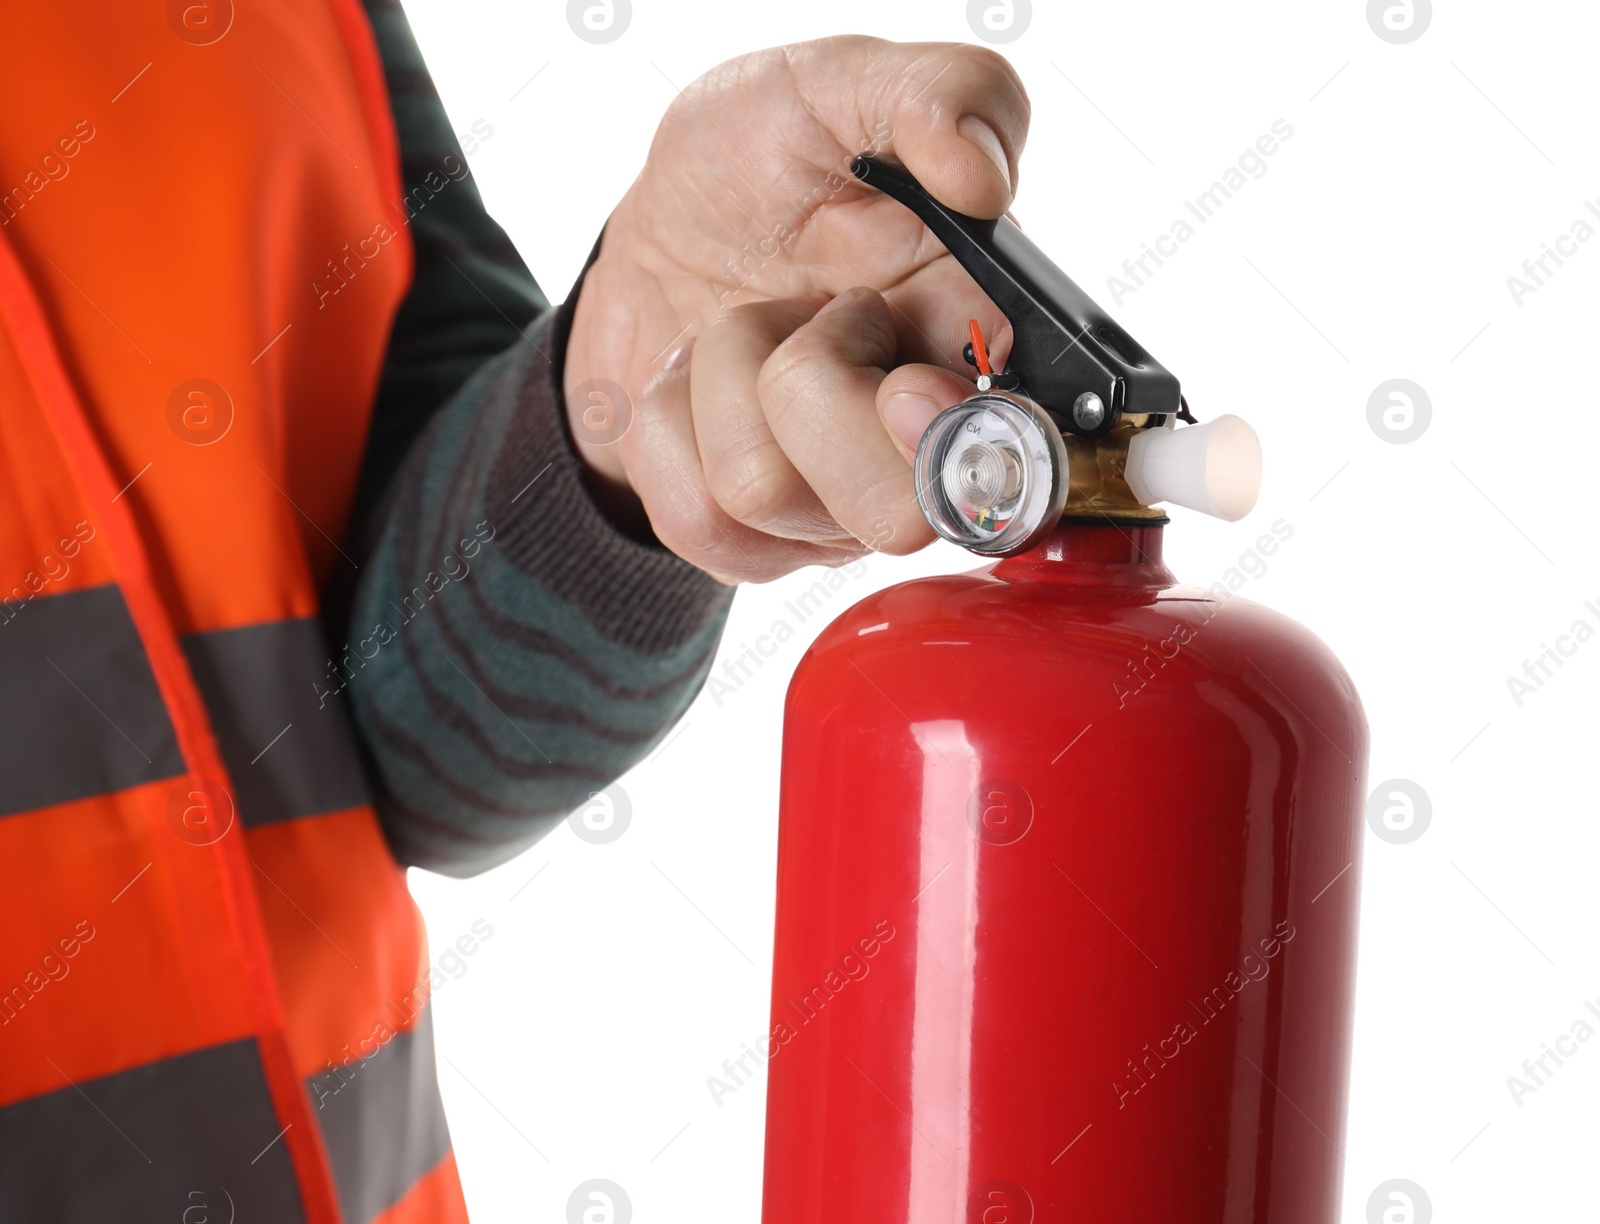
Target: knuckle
[987, 63]
[975, 65]
[690, 533]
[751, 483]
[766, 319]
[680, 540]
[979, 60]
[730, 319]
[727, 329]
[799, 370]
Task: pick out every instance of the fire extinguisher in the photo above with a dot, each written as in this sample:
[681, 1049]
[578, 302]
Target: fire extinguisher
[1069, 853]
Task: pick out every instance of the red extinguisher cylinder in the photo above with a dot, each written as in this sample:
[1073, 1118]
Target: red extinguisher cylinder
[1066, 922]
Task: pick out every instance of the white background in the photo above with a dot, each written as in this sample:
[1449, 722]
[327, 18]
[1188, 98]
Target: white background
[578, 1041]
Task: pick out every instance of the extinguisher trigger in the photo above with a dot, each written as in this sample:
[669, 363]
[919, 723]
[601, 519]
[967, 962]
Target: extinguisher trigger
[1066, 351]
[1071, 370]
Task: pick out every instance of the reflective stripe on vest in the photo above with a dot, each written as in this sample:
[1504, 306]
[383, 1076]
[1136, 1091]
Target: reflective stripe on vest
[212, 977]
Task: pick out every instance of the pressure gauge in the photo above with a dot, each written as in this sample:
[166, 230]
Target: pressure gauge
[991, 475]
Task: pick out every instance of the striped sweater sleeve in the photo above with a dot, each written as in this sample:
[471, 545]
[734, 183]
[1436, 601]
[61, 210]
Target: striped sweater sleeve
[512, 650]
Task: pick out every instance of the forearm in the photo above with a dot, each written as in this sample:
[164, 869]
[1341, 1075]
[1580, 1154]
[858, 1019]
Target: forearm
[514, 650]
[511, 649]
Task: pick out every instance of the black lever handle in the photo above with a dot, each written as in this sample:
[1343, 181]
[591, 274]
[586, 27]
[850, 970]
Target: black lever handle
[1065, 346]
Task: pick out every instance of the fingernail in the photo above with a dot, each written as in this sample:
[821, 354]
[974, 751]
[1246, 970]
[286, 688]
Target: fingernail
[837, 302]
[679, 356]
[908, 417]
[978, 132]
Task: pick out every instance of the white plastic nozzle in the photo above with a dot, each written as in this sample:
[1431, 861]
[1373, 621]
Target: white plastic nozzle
[1214, 468]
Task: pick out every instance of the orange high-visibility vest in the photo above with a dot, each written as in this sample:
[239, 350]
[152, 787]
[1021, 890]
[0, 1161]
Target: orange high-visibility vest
[211, 972]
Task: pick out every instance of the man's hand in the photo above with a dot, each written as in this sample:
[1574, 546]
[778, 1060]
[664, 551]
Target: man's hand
[825, 324]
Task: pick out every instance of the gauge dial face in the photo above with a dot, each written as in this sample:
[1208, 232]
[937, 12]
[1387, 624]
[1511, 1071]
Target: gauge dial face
[991, 475]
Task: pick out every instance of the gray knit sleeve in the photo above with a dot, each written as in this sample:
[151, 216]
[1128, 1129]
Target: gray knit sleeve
[511, 649]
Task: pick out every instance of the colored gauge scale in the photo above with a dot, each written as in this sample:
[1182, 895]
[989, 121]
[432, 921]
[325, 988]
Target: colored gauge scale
[990, 474]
